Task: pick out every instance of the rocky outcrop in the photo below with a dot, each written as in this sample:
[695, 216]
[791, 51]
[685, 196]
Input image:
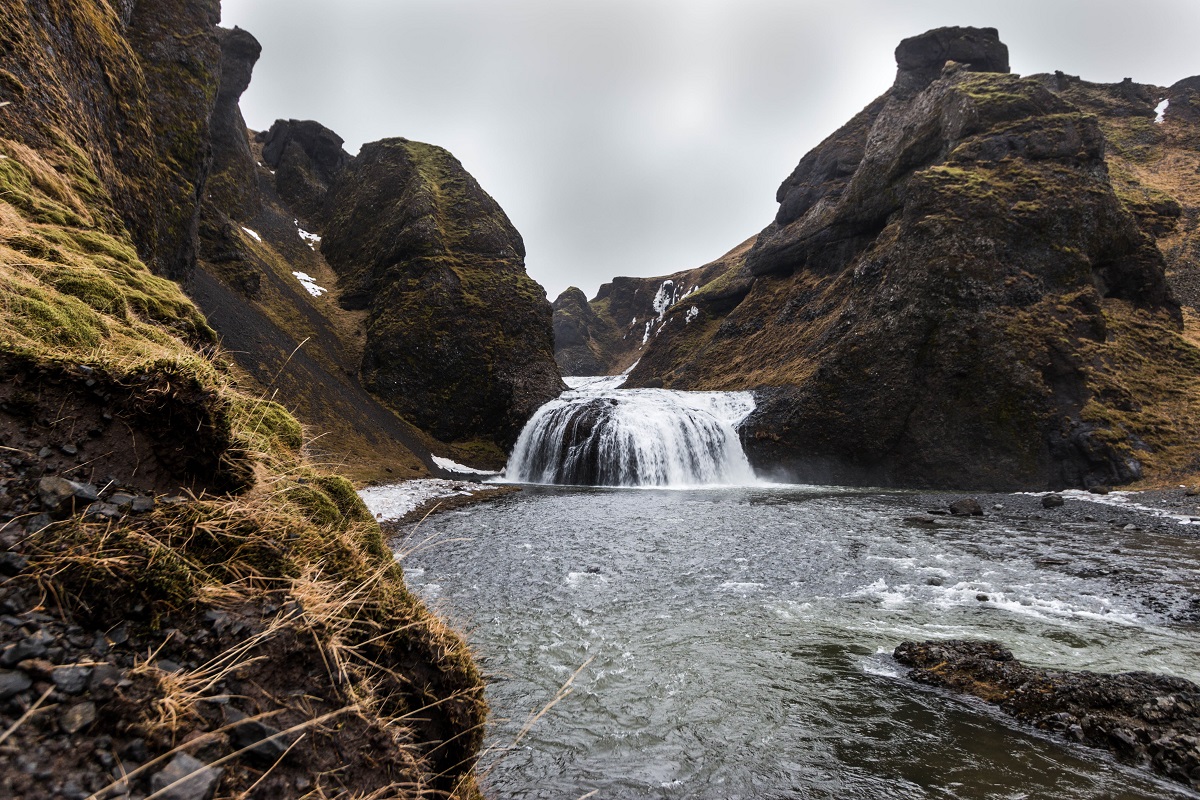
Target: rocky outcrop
[307, 158]
[232, 188]
[948, 296]
[576, 330]
[1138, 716]
[458, 336]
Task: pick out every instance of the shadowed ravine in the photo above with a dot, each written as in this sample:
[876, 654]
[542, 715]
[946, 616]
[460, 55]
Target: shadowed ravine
[735, 639]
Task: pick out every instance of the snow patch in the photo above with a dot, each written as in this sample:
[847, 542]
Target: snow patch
[254, 234]
[309, 283]
[692, 313]
[452, 466]
[394, 501]
[1161, 110]
[311, 239]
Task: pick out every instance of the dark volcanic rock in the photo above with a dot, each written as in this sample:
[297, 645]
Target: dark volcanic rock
[232, 186]
[1138, 716]
[307, 158]
[920, 59]
[459, 337]
[574, 323]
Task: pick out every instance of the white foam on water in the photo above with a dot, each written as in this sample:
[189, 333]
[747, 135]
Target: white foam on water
[454, 466]
[395, 500]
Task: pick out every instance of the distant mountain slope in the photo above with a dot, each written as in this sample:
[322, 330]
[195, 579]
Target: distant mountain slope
[960, 290]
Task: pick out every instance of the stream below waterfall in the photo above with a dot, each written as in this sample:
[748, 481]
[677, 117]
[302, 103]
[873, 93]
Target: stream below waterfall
[735, 642]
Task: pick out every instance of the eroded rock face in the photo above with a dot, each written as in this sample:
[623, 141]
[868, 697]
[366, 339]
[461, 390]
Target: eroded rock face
[575, 325]
[232, 186]
[936, 301]
[1138, 716]
[459, 337]
[307, 158]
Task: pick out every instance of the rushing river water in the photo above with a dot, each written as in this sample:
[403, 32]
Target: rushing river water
[734, 642]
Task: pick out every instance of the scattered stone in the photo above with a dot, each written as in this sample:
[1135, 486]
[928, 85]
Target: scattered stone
[998, 507]
[141, 505]
[934, 581]
[73, 679]
[267, 750]
[966, 507]
[69, 449]
[199, 781]
[38, 523]
[1052, 500]
[1099, 489]
[121, 499]
[54, 491]
[13, 683]
[99, 511]
[981, 597]
[76, 717]
[27, 648]
[12, 563]
[38, 668]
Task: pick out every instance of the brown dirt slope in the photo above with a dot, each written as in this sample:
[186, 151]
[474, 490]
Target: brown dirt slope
[171, 561]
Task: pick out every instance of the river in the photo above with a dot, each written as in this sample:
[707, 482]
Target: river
[734, 642]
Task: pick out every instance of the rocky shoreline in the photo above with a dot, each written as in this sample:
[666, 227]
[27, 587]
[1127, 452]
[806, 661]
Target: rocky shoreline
[1141, 718]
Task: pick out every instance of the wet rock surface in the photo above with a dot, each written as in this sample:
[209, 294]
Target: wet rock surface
[1140, 717]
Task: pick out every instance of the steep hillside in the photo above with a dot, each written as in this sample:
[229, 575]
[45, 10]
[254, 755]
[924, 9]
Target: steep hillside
[955, 293]
[184, 591]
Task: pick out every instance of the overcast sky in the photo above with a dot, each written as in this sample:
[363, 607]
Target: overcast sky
[642, 137]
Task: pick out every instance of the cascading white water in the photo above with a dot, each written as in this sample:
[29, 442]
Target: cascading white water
[598, 435]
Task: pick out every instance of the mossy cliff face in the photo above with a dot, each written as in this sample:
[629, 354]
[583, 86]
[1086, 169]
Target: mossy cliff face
[458, 336]
[109, 387]
[946, 297]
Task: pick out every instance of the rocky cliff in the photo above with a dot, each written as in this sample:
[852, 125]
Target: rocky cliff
[958, 289]
[186, 593]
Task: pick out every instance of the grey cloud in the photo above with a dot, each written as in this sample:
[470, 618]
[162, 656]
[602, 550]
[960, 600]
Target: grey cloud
[640, 138]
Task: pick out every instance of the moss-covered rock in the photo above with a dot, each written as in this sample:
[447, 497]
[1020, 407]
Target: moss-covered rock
[458, 336]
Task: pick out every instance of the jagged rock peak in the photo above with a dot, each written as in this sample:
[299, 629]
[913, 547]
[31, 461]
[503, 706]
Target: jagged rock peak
[920, 59]
[239, 53]
[321, 145]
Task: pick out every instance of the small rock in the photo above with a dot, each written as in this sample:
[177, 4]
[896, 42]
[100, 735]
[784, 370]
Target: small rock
[981, 597]
[75, 718]
[102, 511]
[198, 780]
[1052, 500]
[966, 507]
[54, 491]
[12, 563]
[45, 452]
[13, 683]
[167, 665]
[998, 507]
[267, 750]
[69, 449]
[1099, 489]
[72, 680]
[121, 499]
[934, 581]
[86, 492]
[141, 505]
[1191, 491]
[28, 647]
[136, 750]
[38, 523]
[38, 668]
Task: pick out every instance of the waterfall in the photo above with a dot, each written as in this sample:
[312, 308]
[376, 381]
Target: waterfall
[598, 435]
